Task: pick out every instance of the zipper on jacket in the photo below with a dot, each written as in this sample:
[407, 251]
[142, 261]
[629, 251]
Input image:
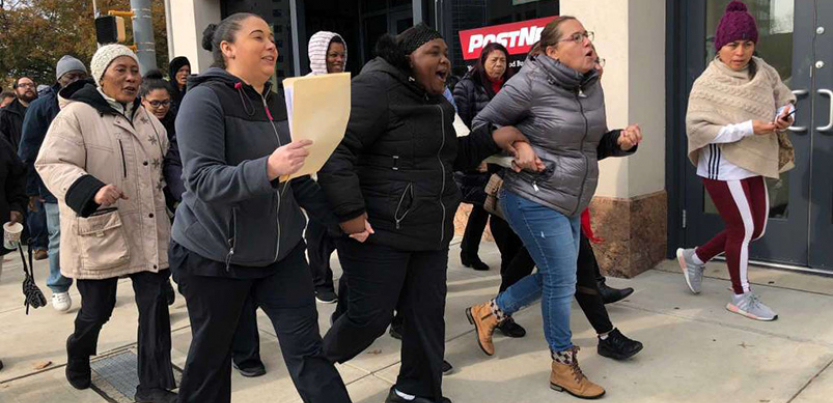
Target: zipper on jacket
[123, 159]
[232, 238]
[278, 192]
[408, 189]
[586, 167]
[439, 158]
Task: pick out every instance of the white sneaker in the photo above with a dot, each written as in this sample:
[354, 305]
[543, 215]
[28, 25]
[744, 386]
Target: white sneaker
[61, 301]
[750, 305]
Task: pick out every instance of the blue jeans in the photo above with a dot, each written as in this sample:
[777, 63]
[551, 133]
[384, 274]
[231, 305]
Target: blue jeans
[36, 222]
[56, 282]
[553, 242]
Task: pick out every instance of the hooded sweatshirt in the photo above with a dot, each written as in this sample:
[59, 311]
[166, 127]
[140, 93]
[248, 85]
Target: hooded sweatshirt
[319, 44]
[177, 94]
[231, 212]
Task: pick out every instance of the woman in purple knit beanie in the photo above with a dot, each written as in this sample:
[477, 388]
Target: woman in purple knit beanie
[738, 114]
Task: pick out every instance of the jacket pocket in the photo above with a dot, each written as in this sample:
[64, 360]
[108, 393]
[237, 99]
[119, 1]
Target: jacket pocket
[103, 242]
[403, 206]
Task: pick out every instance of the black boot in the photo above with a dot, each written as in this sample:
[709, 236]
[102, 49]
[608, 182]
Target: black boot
[473, 262]
[511, 329]
[611, 295]
[618, 347]
[394, 398]
[396, 328]
[170, 294]
[78, 370]
[155, 396]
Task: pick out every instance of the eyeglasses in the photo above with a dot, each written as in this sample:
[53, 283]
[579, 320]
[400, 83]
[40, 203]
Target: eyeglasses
[26, 85]
[601, 62]
[578, 37]
[159, 104]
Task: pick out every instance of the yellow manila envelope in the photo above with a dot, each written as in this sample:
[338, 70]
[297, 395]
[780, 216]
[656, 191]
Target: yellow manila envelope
[318, 108]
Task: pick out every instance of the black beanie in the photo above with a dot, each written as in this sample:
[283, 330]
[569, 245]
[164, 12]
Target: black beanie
[416, 36]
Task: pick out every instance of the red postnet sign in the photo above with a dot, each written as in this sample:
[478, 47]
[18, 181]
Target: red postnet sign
[518, 37]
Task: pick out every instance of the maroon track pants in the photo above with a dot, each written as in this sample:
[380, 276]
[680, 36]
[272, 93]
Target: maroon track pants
[744, 207]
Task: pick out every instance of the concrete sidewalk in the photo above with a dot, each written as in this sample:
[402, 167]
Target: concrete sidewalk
[695, 351]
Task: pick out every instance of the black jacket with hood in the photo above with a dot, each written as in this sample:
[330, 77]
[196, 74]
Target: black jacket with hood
[11, 122]
[231, 212]
[176, 95]
[397, 158]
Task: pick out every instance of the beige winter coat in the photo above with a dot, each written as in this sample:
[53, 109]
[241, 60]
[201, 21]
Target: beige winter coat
[88, 137]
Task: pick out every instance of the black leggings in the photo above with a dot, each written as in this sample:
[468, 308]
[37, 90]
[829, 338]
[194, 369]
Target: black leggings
[516, 263]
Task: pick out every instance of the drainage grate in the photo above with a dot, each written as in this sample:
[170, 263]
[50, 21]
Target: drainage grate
[115, 377]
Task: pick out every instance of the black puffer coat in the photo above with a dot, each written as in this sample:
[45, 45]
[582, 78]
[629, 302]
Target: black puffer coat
[396, 161]
[471, 98]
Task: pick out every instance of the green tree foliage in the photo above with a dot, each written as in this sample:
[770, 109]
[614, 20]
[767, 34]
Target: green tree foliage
[34, 34]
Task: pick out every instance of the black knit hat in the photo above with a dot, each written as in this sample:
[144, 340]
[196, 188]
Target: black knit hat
[416, 36]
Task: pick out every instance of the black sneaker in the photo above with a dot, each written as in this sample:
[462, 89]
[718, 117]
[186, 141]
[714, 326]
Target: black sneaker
[78, 370]
[326, 296]
[618, 347]
[1, 364]
[511, 329]
[170, 294]
[612, 295]
[394, 398]
[155, 396]
[78, 373]
[447, 368]
[251, 370]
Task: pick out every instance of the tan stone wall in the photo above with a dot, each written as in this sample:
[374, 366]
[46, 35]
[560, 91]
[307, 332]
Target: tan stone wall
[634, 232]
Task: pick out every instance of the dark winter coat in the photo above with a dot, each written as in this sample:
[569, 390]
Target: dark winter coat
[231, 212]
[11, 122]
[176, 95]
[471, 98]
[12, 183]
[40, 115]
[172, 167]
[396, 161]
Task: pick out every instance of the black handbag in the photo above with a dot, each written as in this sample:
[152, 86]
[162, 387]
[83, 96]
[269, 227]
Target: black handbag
[33, 294]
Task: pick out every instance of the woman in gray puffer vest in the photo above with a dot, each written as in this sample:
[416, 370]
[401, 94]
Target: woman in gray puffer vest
[557, 102]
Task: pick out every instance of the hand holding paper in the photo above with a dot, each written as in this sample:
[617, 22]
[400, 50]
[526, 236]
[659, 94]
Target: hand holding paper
[288, 159]
[318, 108]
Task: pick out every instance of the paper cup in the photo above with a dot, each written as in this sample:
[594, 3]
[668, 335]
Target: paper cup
[11, 235]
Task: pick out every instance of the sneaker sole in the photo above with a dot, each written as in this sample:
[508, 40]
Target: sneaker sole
[684, 268]
[618, 357]
[734, 309]
[476, 331]
[321, 301]
[560, 389]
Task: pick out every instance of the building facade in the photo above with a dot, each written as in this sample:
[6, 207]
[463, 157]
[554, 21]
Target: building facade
[647, 205]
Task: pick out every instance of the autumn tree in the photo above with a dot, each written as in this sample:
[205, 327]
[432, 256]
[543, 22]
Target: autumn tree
[34, 34]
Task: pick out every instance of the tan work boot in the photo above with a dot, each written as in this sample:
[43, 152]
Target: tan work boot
[485, 321]
[567, 377]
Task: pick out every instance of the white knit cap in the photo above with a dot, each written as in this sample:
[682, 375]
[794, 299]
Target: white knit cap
[105, 55]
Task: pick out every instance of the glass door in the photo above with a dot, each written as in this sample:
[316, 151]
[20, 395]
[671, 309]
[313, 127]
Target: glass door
[821, 183]
[786, 43]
